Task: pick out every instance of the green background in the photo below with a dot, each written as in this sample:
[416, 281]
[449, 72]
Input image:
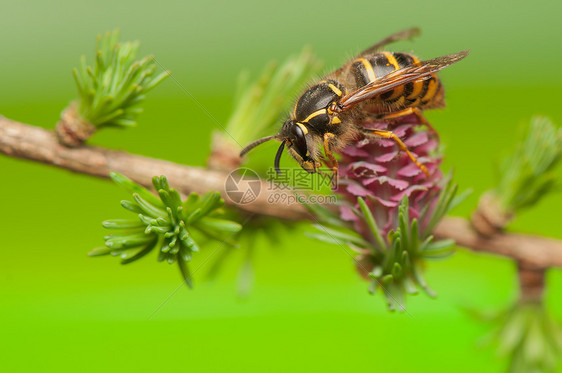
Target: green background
[63, 311]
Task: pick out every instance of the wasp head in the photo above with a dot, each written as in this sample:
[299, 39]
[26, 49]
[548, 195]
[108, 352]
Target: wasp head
[294, 135]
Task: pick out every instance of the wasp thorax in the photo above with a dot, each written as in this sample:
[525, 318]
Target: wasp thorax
[312, 107]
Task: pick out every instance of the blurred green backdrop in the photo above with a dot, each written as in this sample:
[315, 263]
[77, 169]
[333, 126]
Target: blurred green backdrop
[63, 311]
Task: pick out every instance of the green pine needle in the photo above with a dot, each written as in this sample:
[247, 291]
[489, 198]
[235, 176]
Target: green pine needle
[448, 199]
[528, 173]
[110, 90]
[259, 105]
[397, 260]
[164, 223]
[529, 336]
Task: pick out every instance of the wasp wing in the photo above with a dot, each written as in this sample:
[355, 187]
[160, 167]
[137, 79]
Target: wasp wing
[398, 36]
[420, 70]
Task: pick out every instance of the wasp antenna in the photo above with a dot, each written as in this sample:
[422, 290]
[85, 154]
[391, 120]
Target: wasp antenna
[256, 143]
[278, 157]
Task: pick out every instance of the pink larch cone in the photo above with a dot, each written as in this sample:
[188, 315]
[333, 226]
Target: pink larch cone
[378, 171]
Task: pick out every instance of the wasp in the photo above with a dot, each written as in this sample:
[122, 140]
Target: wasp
[377, 85]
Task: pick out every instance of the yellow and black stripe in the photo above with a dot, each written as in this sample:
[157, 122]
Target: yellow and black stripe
[417, 93]
[310, 109]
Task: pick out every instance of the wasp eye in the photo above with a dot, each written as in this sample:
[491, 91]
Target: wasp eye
[299, 140]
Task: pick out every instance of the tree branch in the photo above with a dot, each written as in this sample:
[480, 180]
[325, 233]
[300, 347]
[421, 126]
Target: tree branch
[29, 142]
[533, 251]
[37, 144]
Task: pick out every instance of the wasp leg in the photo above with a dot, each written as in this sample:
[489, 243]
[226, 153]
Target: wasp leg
[390, 135]
[331, 161]
[411, 110]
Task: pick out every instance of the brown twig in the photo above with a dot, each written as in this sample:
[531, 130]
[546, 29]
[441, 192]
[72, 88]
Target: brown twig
[531, 283]
[29, 142]
[534, 251]
[72, 130]
[34, 143]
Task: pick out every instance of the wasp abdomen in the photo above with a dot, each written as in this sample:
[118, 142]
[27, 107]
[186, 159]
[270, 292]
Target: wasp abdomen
[419, 93]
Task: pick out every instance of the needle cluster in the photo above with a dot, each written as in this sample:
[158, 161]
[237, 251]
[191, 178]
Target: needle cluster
[165, 223]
